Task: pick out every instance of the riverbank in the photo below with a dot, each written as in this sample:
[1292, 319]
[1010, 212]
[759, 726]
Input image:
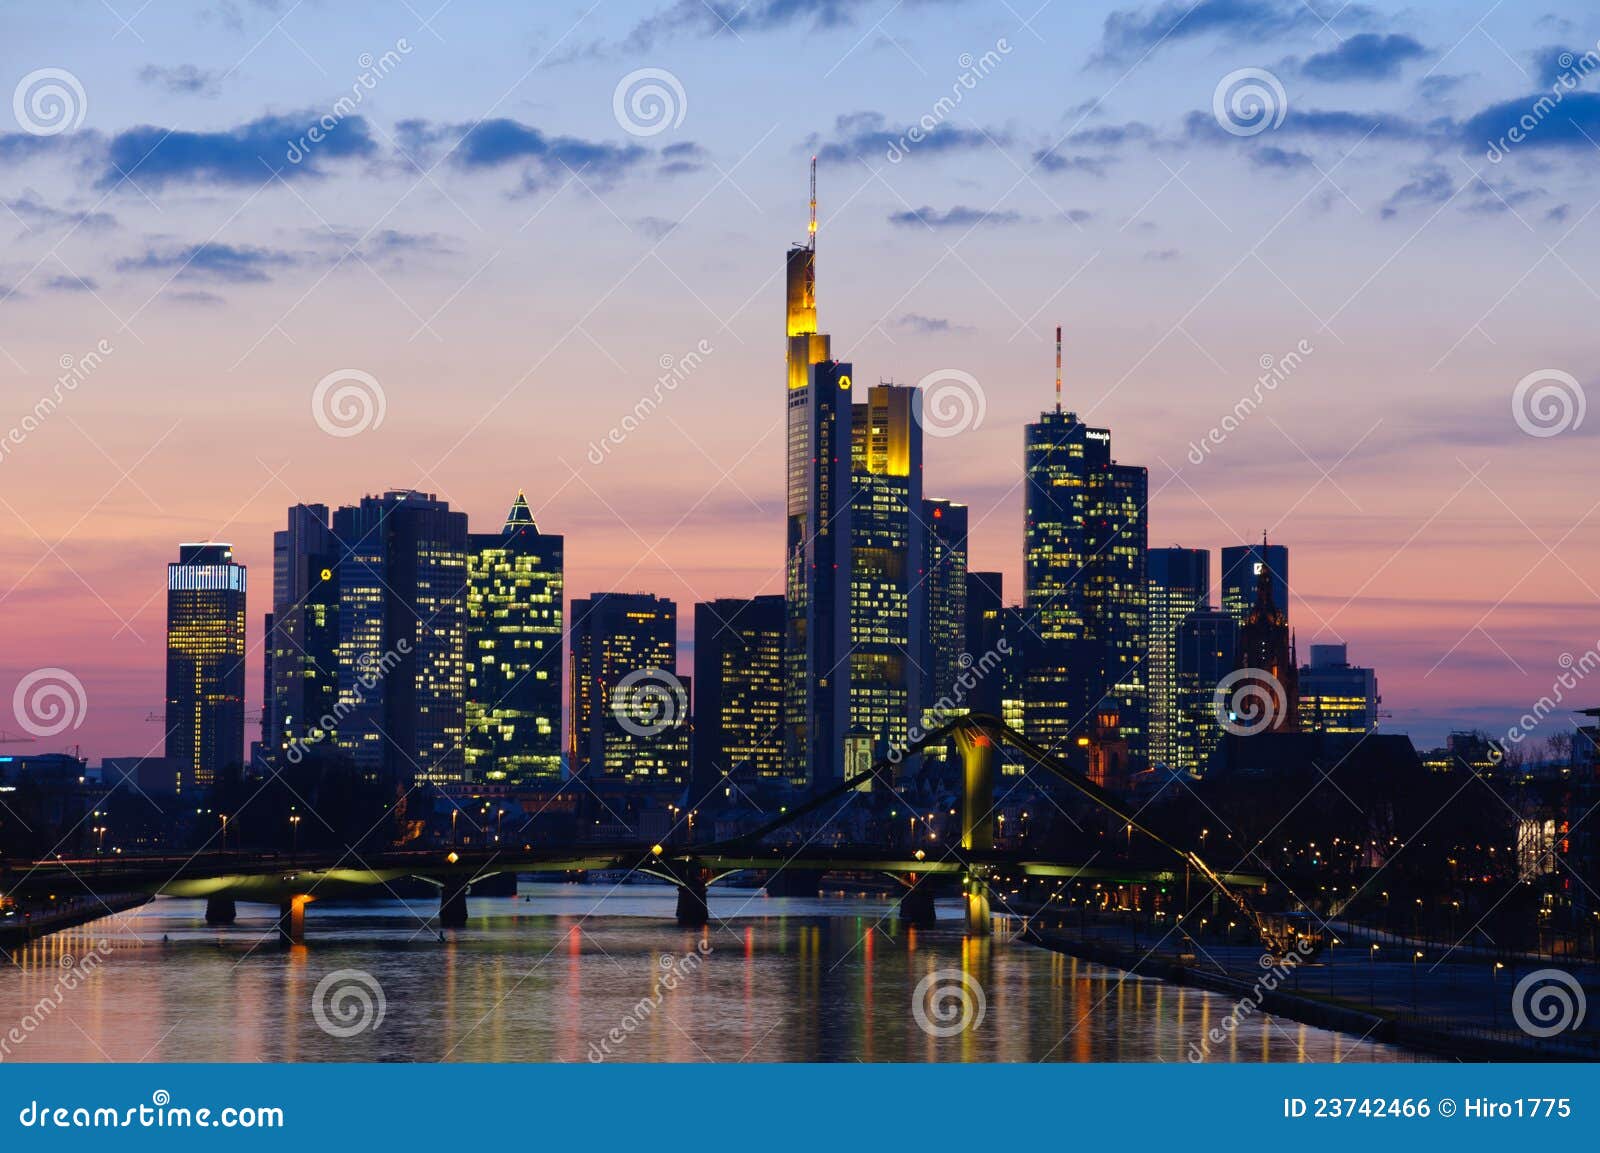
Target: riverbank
[25, 924]
[1426, 1004]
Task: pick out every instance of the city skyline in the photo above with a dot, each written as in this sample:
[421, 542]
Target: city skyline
[1463, 614]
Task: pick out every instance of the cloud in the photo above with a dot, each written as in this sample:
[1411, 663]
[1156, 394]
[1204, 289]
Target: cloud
[1436, 89]
[249, 154]
[1559, 213]
[734, 18]
[929, 324]
[959, 216]
[1325, 124]
[226, 263]
[1162, 255]
[1365, 56]
[683, 158]
[1280, 159]
[655, 227]
[70, 283]
[492, 144]
[1431, 185]
[35, 213]
[182, 79]
[1545, 120]
[1131, 33]
[1052, 161]
[866, 135]
[1552, 62]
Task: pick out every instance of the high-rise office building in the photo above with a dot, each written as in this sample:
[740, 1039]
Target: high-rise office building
[1117, 601]
[402, 637]
[945, 580]
[302, 638]
[515, 582]
[817, 540]
[984, 632]
[629, 710]
[205, 663]
[1242, 566]
[1265, 643]
[1336, 696]
[1180, 585]
[1207, 642]
[888, 595]
[738, 694]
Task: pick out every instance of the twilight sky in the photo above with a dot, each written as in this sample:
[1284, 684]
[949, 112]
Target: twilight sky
[511, 248]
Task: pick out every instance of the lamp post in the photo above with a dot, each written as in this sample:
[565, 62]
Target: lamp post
[1494, 993]
[294, 836]
[1372, 978]
[224, 817]
[1416, 955]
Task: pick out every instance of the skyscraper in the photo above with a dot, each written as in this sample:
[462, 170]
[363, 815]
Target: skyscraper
[1266, 643]
[1180, 585]
[888, 602]
[402, 637]
[817, 542]
[515, 582]
[1336, 696]
[629, 709]
[1117, 600]
[945, 580]
[738, 693]
[1206, 646]
[983, 632]
[1242, 565]
[205, 663]
[302, 639]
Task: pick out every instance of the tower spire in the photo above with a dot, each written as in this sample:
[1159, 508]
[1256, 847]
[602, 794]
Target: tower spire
[811, 234]
[1058, 368]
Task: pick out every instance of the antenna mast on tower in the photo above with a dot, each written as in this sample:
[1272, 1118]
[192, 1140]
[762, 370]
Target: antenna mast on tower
[1058, 368]
[811, 236]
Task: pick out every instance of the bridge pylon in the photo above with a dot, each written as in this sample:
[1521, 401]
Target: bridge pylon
[221, 910]
[453, 904]
[693, 912]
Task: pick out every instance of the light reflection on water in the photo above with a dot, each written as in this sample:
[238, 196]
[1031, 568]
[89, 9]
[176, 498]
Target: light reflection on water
[550, 974]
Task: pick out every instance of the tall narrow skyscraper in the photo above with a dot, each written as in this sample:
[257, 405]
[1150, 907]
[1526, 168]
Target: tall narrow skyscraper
[817, 539]
[888, 601]
[946, 580]
[1207, 642]
[402, 637]
[1180, 585]
[302, 641]
[205, 663]
[629, 708]
[515, 582]
[1117, 600]
[738, 694]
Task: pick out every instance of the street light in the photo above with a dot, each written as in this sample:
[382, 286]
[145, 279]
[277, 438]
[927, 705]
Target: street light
[1372, 968]
[294, 834]
[224, 817]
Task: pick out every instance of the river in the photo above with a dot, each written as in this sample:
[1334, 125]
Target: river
[588, 972]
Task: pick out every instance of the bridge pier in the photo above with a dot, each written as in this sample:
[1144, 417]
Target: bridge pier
[692, 910]
[453, 905]
[292, 920]
[221, 910]
[979, 921]
[916, 903]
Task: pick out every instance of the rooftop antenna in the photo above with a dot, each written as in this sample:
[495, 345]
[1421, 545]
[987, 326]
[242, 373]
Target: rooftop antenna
[811, 236]
[1058, 368]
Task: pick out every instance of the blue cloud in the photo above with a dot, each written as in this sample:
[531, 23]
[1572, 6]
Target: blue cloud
[1365, 56]
[1282, 159]
[182, 79]
[959, 216]
[227, 263]
[1432, 185]
[867, 135]
[1557, 119]
[1130, 33]
[249, 154]
[68, 283]
[491, 144]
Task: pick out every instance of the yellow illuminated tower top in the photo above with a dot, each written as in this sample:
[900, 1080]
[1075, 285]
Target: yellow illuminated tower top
[806, 345]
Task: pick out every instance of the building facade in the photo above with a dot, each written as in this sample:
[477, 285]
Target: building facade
[738, 694]
[1242, 566]
[302, 638]
[945, 580]
[628, 708]
[1207, 646]
[205, 663]
[1336, 696]
[1179, 580]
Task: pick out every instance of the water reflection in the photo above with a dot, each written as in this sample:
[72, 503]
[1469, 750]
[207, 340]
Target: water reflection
[574, 973]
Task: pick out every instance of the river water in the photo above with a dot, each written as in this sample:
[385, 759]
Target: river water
[588, 972]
